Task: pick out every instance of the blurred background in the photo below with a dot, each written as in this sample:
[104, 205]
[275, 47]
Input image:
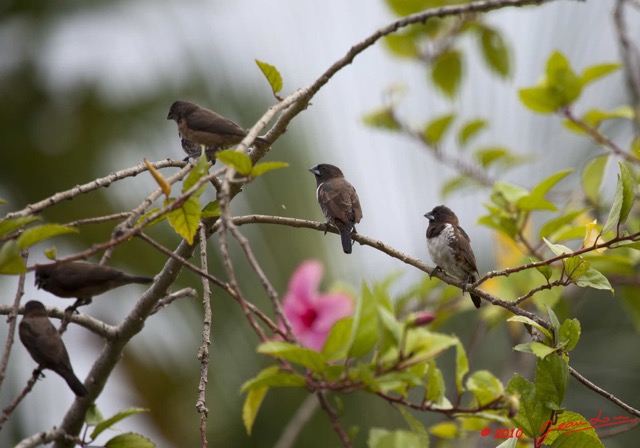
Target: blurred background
[85, 89]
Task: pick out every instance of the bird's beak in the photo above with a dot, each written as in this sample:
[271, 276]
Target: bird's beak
[429, 216]
[38, 282]
[170, 116]
[315, 171]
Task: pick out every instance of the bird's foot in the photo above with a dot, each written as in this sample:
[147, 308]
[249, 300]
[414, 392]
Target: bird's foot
[435, 270]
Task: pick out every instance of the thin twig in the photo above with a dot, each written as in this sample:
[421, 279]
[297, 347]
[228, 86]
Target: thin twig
[12, 319]
[598, 137]
[170, 298]
[6, 412]
[216, 281]
[631, 58]
[333, 419]
[98, 219]
[203, 352]
[90, 186]
[608, 395]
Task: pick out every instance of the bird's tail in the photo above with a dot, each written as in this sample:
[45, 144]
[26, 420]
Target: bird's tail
[345, 236]
[141, 280]
[74, 383]
[476, 300]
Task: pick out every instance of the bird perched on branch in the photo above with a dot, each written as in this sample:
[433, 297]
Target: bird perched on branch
[82, 280]
[338, 200]
[205, 127]
[450, 247]
[44, 344]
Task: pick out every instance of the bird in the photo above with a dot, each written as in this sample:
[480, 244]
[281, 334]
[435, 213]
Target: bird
[44, 344]
[338, 200]
[82, 280]
[450, 247]
[205, 127]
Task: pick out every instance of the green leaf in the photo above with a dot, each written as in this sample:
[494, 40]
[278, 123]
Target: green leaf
[434, 384]
[129, 440]
[335, 346]
[447, 72]
[251, 406]
[485, 386]
[495, 51]
[382, 118]
[545, 270]
[154, 221]
[628, 192]
[9, 225]
[402, 45]
[533, 323]
[264, 167]
[594, 279]
[93, 415]
[10, 260]
[535, 200]
[574, 267]
[445, 430]
[494, 155]
[51, 253]
[108, 423]
[470, 129]
[532, 413]
[592, 177]
[539, 99]
[416, 427]
[594, 117]
[272, 376]
[436, 128]
[572, 430]
[462, 366]
[186, 218]
[383, 438]
[541, 350]
[555, 224]
[199, 170]
[562, 80]
[557, 249]
[211, 210]
[595, 72]
[272, 74]
[236, 159]
[294, 353]
[364, 333]
[36, 234]
[555, 323]
[569, 334]
[552, 376]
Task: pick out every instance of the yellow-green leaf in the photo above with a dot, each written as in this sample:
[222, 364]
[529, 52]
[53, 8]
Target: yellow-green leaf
[200, 170]
[211, 210]
[470, 129]
[10, 260]
[129, 440]
[437, 128]
[595, 72]
[382, 118]
[159, 178]
[272, 74]
[447, 72]
[34, 235]
[252, 405]
[186, 218]
[495, 51]
[108, 423]
[236, 159]
[9, 225]
[264, 167]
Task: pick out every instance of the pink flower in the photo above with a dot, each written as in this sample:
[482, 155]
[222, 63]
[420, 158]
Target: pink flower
[310, 313]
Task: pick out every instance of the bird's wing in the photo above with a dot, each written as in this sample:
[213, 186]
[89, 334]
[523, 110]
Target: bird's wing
[465, 248]
[44, 339]
[86, 275]
[336, 194]
[209, 121]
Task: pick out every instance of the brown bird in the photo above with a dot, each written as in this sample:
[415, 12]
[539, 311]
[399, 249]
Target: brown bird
[44, 344]
[450, 247]
[205, 127]
[338, 200]
[82, 280]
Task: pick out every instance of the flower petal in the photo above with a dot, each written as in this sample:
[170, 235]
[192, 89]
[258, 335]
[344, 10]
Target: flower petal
[303, 285]
[331, 308]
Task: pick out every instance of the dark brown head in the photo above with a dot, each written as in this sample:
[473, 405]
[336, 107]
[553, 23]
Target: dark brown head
[34, 308]
[324, 171]
[43, 273]
[440, 214]
[181, 109]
